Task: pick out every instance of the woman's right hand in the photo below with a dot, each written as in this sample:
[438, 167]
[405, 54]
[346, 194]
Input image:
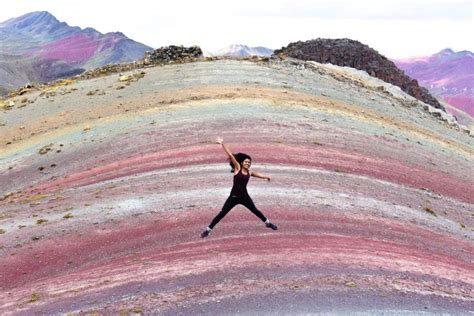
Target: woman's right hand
[219, 140]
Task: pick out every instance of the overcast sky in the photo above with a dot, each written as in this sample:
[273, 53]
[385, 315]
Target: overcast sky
[396, 29]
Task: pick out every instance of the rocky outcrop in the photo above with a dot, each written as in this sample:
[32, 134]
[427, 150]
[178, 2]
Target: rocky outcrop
[350, 53]
[172, 53]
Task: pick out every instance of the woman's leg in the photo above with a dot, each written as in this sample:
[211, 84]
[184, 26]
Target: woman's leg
[228, 205]
[248, 203]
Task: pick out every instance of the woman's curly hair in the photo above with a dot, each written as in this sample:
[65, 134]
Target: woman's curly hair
[240, 157]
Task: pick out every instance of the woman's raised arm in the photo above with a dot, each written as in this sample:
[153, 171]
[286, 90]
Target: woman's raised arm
[236, 164]
[261, 176]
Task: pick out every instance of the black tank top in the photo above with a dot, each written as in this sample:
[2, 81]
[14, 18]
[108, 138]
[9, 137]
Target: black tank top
[240, 184]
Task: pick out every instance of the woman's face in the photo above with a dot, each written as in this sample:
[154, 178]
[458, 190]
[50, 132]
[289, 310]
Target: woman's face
[246, 163]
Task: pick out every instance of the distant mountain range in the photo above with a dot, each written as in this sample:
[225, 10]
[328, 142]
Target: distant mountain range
[238, 50]
[36, 48]
[447, 74]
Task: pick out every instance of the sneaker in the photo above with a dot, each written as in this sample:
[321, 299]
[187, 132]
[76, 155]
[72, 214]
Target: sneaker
[204, 234]
[271, 225]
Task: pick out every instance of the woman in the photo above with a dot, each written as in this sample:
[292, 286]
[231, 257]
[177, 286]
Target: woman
[240, 164]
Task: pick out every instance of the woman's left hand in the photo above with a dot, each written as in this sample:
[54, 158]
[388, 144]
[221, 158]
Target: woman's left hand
[268, 178]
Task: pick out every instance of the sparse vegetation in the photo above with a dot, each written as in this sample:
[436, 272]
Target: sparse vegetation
[132, 77]
[429, 210]
[95, 92]
[6, 196]
[34, 297]
[43, 150]
[34, 198]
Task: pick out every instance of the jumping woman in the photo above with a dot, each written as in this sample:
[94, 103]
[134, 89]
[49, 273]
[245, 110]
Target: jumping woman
[240, 164]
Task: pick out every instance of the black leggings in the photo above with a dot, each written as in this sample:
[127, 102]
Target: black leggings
[233, 201]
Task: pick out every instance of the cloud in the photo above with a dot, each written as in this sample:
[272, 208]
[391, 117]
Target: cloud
[364, 10]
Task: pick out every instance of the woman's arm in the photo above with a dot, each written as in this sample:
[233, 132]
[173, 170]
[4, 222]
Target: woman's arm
[258, 175]
[236, 164]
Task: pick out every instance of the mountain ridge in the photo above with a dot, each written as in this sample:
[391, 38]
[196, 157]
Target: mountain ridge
[447, 74]
[105, 191]
[39, 38]
[241, 50]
